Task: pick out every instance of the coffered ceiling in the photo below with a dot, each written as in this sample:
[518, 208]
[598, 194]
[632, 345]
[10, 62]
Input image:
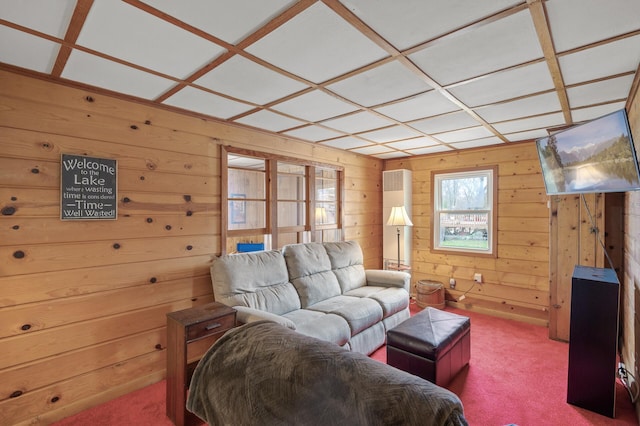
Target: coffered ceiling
[386, 78]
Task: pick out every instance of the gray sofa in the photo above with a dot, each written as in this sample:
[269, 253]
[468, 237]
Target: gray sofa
[318, 289]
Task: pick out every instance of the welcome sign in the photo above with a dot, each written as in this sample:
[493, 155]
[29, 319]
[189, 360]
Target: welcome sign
[88, 188]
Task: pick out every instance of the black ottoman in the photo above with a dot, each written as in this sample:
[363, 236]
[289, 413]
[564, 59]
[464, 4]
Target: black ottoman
[432, 344]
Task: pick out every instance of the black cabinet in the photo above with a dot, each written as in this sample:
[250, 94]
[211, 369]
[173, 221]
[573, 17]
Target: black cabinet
[593, 339]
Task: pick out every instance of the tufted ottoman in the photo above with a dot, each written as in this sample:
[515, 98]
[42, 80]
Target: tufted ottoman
[432, 344]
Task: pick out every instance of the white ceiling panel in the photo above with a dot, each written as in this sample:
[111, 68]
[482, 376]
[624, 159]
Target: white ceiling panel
[528, 135]
[505, 85]
[537, 122]
[348, 142]
[314, 106]
[125, 32]
[463, 135]
[358, 122]
[206, 103]
[313, 133]
[390, 134]
[50, 17]
[608, 59]
[268, 120]
[407, 23]
[381, 84]
[392, 154]
[413, 143]
[431, 150]
[526, 107]
[245, 80]
[443, 123]
[599, 92]
[584, 114]
[36, 54]
[229, 20]
[373, 150]
[482, 50]
[96, 71]
[317, 45]
[476, 143]
[423, 105]
[575, 23]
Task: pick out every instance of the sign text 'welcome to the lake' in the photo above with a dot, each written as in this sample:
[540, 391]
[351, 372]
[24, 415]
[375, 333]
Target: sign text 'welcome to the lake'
[88, 188]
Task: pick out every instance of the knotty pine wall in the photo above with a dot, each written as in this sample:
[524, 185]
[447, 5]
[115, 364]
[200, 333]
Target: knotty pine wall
[631, 284]
[516, 282]
[83, 303]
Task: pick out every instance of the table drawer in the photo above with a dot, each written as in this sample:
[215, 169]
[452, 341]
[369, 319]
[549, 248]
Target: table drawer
[209, 327]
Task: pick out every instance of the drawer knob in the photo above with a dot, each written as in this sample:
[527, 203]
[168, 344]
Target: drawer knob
[212, 326]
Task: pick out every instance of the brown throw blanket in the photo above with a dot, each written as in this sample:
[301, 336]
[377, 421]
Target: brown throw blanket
[266, 374]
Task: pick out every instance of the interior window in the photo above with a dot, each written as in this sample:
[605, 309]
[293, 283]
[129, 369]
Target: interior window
[464, 211]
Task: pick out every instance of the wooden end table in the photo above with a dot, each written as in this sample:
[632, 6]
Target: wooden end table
[184, 327]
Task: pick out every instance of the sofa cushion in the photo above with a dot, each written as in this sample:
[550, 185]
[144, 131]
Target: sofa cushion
[347, 262]
[329, 327]
[360, 313]
[258, 280]
[391, 299]
[310, 272]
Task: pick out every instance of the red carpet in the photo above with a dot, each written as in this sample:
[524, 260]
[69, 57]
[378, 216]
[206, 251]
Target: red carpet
[516, 376]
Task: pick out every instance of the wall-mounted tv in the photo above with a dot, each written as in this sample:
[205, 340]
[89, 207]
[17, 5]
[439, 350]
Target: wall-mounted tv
[597, 156]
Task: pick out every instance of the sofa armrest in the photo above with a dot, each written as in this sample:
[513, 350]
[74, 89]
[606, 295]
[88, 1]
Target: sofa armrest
[385, 278]
[247, 315]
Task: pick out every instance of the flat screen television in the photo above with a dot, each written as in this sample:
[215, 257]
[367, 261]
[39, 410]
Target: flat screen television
[597, 156]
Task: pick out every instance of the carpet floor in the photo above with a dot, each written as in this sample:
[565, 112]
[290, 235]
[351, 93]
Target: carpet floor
[516, 376]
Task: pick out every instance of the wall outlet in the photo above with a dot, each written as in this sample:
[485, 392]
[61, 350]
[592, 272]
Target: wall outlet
[477, 278]
[452, 283]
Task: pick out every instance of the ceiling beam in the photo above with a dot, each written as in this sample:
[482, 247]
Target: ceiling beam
[73, 31]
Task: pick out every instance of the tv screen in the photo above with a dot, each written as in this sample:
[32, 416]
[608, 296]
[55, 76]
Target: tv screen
[597, 156]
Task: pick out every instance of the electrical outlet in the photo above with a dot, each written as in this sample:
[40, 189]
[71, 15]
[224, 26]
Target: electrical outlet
[452, 283]
[477, 278]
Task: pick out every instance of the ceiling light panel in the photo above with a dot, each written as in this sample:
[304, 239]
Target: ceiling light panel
[34, 53]
[125, 32]
[50, 17]
[528, 135]
[99, 72]
[314, 106]
[408, 23]
[464, 135]
[576, 23]
[537, 122]
[268, 120]
[413, 143]
[477, 143]
[482, 50]
[243, 79]
[358, 122]
[313, 133]
[420, 106]
[381, 84]
[601, 91]
[206, 103]
[443, 123]
[601, 61]
[505, 85]
[390, 134]
[533, 105]
[373, 150]
[317, 45]
[228, 20]
[584, 114]
[431, 150]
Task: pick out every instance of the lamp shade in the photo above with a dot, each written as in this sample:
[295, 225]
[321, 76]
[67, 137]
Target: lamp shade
[399, 217]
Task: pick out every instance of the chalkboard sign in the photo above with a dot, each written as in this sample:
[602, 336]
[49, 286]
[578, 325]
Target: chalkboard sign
[88, 188]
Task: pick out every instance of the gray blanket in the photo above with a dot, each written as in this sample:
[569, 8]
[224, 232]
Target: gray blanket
[266, 374]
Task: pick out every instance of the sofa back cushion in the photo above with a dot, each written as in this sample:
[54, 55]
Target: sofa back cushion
[258, 280]
[310, 272]
[347, 263]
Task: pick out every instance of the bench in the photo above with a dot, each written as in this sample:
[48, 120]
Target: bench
[432, 344]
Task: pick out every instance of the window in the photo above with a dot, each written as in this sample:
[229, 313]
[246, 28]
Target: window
[464, 211]
[275, 200]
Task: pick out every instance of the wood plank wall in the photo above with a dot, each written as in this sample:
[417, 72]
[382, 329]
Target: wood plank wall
[83, 303]
[631, 284]
[516, 283]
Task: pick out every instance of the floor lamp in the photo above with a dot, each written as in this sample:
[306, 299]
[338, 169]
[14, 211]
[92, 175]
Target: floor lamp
[399, 217]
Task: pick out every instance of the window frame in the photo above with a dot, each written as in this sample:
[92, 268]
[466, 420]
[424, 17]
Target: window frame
[313, 231]
[492, 193]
